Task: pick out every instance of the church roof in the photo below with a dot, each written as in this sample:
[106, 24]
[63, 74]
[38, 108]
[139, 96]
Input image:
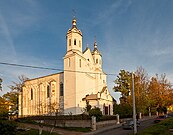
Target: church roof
[85, 49]
[44, 76]
[96, 51]
[74, 28]
[90, 97]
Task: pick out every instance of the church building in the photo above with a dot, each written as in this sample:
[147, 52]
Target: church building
[67, 92]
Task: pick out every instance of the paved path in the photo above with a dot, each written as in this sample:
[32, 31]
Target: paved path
[48, 129]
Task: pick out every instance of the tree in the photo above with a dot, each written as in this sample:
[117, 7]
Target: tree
[123, 84]
[141, 85]
[95, 112]
[4, 107]
[88, 106]
[11, 98]
[123, 109]
[0, 84]
[160, 92]
[17, 88]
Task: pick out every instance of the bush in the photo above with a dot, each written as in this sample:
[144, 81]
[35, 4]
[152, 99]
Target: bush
[95, 112]
[31, 119]
[7, 127]
[124, 110]
[108, 117]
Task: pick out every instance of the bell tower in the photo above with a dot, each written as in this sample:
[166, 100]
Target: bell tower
[97, 56]
[74, 38]
[72, 63]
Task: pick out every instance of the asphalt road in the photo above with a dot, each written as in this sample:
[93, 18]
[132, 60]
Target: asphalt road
[120, 131]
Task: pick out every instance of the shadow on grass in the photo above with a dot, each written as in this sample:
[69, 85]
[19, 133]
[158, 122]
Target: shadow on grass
[161, 128]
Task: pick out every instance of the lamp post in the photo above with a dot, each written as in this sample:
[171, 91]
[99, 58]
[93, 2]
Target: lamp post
[134, 107]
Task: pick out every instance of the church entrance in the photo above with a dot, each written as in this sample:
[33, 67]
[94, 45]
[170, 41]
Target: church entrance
[106, 110]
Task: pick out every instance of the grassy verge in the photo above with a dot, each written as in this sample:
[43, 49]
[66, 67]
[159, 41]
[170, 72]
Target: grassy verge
[161, 128]
[77, 129]
[34, 132]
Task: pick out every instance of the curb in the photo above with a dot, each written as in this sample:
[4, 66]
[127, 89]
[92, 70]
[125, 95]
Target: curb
[103, 129]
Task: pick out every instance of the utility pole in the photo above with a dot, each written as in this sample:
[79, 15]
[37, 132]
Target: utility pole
[134, 107]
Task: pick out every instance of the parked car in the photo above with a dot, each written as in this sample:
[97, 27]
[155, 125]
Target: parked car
[160, 118]
[129, 124]
[169, 115]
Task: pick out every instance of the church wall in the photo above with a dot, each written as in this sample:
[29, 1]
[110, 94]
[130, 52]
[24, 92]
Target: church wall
[69, 85]
[35, 95]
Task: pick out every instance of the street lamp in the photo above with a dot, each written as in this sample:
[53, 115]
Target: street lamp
[134, 108]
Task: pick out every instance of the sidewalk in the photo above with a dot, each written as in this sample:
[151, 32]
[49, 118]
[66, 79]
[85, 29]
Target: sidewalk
[103, 129]
[48, 129]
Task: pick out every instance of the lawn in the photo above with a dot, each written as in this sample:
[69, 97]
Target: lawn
[34, 132]
[161, 128]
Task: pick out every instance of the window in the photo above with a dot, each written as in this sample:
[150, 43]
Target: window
[74, 41]
[48, 91]
[96, 60]
[69, 62]
[61, 89]
[79, 43]
[80, 63]
[31, 94]
[69, 42]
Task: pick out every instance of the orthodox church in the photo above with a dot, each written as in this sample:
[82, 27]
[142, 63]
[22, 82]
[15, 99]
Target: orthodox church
[67, 92]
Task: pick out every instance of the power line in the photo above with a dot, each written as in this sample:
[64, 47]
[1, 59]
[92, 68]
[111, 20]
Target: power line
[46, 68]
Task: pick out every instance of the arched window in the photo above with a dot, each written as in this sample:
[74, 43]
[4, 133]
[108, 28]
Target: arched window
[69, 42]
[74, 41]
[79, 43]
[61, 89]
[96, 60]
[69, 62]
[80, 63]
[48, 91]
[31, 94]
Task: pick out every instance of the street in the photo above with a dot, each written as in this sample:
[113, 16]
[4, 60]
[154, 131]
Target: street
[120, 131]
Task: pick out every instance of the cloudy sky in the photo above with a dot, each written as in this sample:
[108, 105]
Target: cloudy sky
[129, 33]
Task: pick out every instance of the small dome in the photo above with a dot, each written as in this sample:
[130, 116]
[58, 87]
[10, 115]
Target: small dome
[96, 51]
[74, 22]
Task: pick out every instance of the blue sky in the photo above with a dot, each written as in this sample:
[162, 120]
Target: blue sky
[129, 33]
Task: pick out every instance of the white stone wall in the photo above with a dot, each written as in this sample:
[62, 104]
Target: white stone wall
[41, 104]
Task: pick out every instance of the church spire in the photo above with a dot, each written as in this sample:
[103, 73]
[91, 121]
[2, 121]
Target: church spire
[95, 51]
[74, 22]
[74, 38]
[95, 43]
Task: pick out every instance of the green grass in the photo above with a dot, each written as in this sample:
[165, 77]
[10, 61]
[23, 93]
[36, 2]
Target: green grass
[77, 129]
[35, 132]
[161, 128]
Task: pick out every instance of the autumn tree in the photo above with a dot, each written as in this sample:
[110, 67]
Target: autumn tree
[11, 98]
[159, 92]
[141, 86]
[16, 88]
[3, 107]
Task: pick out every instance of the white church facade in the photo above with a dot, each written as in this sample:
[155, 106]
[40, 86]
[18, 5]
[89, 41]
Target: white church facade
[67, 92]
